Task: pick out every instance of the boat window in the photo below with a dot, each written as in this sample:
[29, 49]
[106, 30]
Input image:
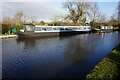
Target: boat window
[75, 28]
[37, 28]
[84, 27]
[44, 29]
[69, 28]
[58, 28]
[47, 28]
[54, 29]
[89, 27]
[61, 28]
[102, 27]
[106, 27]
[80, 28]
[29, 27]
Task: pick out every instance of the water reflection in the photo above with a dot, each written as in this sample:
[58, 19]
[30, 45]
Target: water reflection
[72, 56]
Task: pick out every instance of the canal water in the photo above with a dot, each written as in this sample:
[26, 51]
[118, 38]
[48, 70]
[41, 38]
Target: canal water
[55, 57]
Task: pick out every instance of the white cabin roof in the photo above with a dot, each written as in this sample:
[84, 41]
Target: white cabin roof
[61, 26]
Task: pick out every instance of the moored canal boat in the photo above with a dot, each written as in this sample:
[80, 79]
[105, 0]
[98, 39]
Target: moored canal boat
[106, 28]
[30, 30]
[103, 29]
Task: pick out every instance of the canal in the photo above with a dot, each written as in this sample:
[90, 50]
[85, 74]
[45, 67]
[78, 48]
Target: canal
[55, 57]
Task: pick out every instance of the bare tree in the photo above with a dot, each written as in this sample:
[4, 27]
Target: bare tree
[114, 21]
[55, 18]
[7, 21]
[18, 17]
[33, 19]
[115, 14]
[6, 24]
[77, 11]
[101, 18]
[24, 19]
[94, 12]
[95, 15]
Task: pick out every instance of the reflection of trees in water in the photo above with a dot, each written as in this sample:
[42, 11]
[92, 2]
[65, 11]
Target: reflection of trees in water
[28, 43]
[80, 46]
[119, 37]
[35, 42]
[76, 48]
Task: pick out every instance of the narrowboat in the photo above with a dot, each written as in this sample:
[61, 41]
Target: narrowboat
[106, 28]
[103, 29]
[30, 30]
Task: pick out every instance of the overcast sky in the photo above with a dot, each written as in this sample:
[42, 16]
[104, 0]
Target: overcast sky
[46, 10]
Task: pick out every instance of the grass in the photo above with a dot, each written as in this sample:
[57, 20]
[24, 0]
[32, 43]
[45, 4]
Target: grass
[108, 68]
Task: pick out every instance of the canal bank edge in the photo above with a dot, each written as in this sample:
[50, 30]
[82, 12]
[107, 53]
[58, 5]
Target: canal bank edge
[108, 68]
[8, 36]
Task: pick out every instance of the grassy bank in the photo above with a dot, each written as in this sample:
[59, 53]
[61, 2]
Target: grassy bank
[108, 68]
